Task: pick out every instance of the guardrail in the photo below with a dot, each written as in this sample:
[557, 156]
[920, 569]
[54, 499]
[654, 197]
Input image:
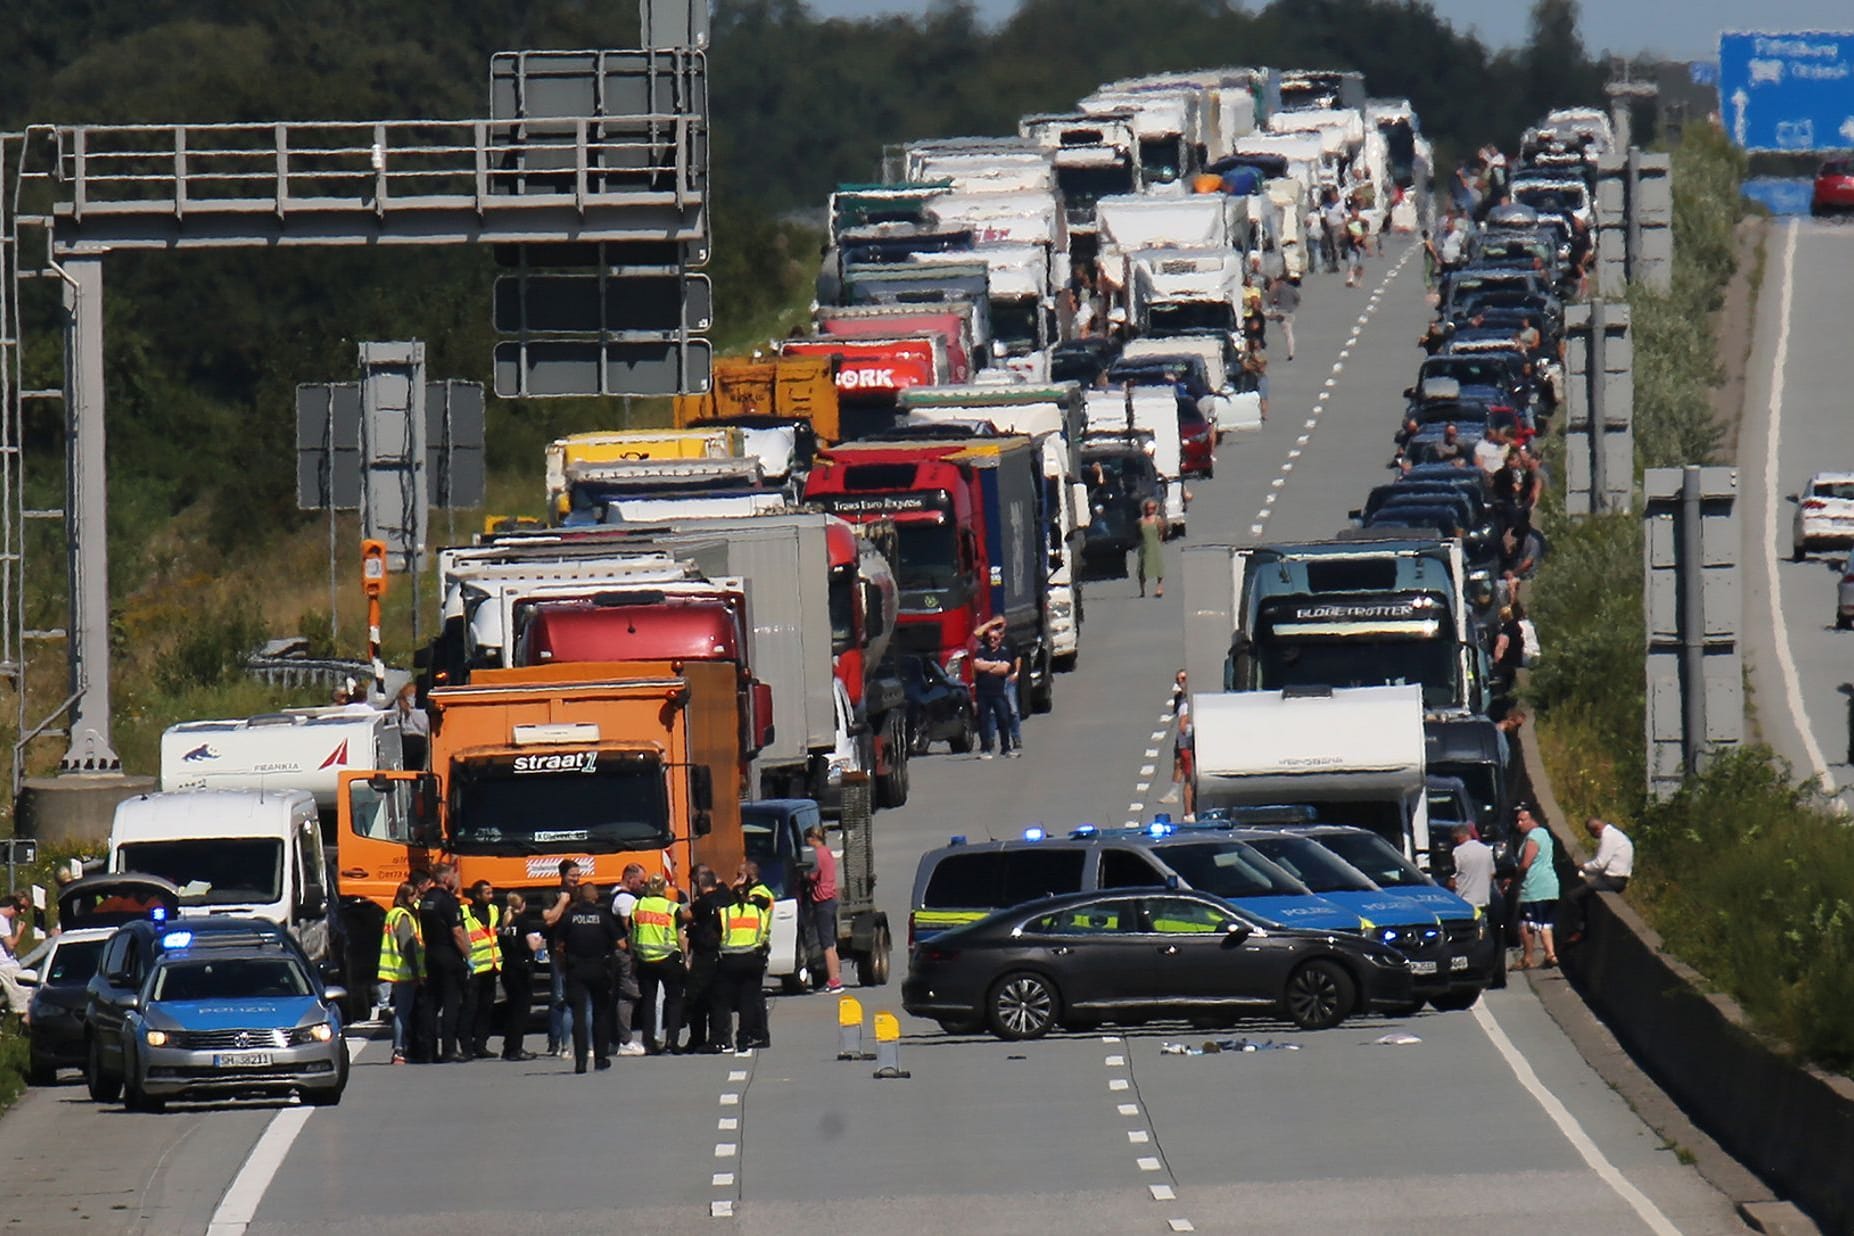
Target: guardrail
[378, 165]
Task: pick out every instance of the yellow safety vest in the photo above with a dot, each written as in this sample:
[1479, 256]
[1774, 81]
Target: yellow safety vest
[653, 929]
[760, 890]
[744, 923]
[485, 955]
[397, 967]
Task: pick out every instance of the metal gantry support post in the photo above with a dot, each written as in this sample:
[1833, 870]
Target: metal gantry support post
[1695, 684]
[1599, 460]
[90, 748]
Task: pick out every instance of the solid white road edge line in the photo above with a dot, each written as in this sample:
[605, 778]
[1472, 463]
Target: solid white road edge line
[1780, 634]
[246, 1193]
[1573, 1131]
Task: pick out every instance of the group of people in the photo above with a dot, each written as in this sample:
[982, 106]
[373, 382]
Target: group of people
[630, 972]
[1530, 887]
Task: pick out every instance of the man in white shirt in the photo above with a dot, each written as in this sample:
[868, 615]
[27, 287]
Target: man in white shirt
[12, 931]
[1608, 872]
[1490, 452]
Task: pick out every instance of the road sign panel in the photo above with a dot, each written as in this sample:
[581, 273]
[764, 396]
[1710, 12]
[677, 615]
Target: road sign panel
[1788, 91]
[557, 368]
[328, 446]
[667, 304]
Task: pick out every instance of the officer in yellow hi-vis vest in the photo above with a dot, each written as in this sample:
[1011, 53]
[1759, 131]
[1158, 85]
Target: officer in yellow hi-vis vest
[657, 945]
[482, 919]
[747, 927]
[402, 966]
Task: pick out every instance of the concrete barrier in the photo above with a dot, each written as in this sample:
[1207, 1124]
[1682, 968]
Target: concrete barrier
[1791, 1124]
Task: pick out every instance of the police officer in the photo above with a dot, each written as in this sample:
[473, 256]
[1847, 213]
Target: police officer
[482, 921]
[656, 944]
[587, 942]
[624, 901]
[402, 967]
[743, 966]
[708, 1016]
[764, 897]
[447, 975]
[516, 939]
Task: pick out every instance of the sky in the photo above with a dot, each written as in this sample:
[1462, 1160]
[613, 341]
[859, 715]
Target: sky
[1673, 29]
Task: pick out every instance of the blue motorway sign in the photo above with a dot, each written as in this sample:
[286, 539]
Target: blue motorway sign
[1788, 91]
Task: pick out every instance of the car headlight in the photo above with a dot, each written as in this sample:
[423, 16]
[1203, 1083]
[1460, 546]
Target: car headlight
[156, 1038]
[1389, 959]
[321, 1032]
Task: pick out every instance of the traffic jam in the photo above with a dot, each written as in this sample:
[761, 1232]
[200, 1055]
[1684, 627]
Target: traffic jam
[637, 776]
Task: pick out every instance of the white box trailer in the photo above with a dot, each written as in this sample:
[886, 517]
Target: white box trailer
[1153, 413]
[1356, 755]
[1228, 409]
[301, 749]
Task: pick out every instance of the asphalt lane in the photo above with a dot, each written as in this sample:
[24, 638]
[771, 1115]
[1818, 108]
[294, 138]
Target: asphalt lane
[1084, 1133]
[1799, 661]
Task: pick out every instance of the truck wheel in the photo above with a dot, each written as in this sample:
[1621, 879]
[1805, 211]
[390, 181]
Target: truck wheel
[872, 966]
[892, 786]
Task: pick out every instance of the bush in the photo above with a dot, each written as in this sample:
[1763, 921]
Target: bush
[14, 1060]
[212, 650]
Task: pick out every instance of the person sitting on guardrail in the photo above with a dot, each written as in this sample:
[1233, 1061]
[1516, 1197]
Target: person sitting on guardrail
[1609, 871]
[14, 915]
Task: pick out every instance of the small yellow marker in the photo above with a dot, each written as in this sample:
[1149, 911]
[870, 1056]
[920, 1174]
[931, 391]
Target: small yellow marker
[888, 1046]
[850, 1029]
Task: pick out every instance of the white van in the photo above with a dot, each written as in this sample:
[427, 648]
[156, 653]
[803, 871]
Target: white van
[301, 749]
[253, 852]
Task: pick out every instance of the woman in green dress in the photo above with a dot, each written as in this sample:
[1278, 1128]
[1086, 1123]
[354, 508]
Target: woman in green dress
[1152, 549]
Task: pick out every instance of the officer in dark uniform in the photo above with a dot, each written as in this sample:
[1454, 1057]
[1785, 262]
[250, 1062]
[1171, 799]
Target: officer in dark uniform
[518, 923]
[587, 939]
[708, 1018]
[447, 973]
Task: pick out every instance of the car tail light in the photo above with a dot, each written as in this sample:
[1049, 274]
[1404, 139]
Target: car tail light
[1813, 504]
[910, 933]
[938, 955]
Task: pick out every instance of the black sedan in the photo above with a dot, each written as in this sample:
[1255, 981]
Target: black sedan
[1128, 955]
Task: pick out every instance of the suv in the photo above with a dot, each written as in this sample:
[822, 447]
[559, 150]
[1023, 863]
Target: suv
[961, 883]
[150, 1036]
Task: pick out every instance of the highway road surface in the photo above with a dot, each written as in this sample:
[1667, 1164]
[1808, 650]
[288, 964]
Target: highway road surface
[1797, 418]
[1490, 1119]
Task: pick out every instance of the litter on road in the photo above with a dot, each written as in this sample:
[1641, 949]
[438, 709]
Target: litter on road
[1215, 1047]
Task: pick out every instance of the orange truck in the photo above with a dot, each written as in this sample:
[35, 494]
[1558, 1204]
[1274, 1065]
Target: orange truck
[753, 391]
[606, 764]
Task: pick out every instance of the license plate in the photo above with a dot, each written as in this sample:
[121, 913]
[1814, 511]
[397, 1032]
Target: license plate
[1422, 967]
[241, 1060]
[1458, 963]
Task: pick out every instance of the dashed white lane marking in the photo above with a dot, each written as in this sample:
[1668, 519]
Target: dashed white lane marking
[727, 1124]
[737, 1075]
[726, 1150]
[1115, 1062]
[1139, 1137]
[1786, 660]
[1302, 440]
[1136, 806]
[1181, 1225]
[1129, 1109]
[1149, 1164]
[1268, 499]
[1146, 770]
[1163, 1193]
[1264, 514]
[721, 1210]
[730, 1100]
[1157, 734]
[1117, 1083]
[1255, 530]
[1142, 787]
[1152, 753]
[1294, 454]
[724, 1180]
[1574, 1133]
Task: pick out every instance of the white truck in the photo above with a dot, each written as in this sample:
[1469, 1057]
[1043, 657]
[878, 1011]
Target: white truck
[1167, 124]
[1229, 409]
[1095, 156]
[1356, 755]
[1179, 291]
[1149, 415]
[1055, 417]
[1129, 225]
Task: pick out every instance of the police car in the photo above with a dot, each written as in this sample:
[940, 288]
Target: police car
[224, 1007]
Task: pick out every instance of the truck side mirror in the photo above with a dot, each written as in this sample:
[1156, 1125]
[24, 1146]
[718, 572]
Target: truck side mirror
[424, 822]
[701, 788]
[873, 625]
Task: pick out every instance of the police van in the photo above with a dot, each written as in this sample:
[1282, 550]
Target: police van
[965, 881]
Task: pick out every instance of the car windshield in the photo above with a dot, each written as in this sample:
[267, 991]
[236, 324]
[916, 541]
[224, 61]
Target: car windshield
[1228, 869]
[929, 555]
[762, 847]
[1467, 371]
[1549, 199]
[72, 964]
[216, 871]
[1313, 865]
[1381, 862]
[555, 801]
[229, 978]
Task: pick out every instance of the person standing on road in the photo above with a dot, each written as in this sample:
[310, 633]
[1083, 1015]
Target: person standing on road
[1538, 890]
[1284, 303]
[1473, 882]
[1151, 548]
[759, 894]
[402, 966]
[657, 945]
[1184, 749]
[1609, 871]
[701, 1010]
[447, 973]
[743, 967]
[994, 668]
[559, 1016]
[518, 939]
[587, 942]
[821, 903]
[482, 923]
[624, 902]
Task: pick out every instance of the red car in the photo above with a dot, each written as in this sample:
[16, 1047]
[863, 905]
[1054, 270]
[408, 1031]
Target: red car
[1834, 187]
[1197, 441]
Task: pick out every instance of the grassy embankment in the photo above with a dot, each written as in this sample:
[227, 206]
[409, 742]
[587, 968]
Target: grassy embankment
[1745, 872]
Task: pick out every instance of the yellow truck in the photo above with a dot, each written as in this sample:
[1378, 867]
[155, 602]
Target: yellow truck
[755, 389]
[583, 451]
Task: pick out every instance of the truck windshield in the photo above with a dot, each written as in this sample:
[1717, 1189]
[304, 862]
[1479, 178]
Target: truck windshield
[929, 556]
[1082, 187]
[549, 802]
[1383, 816]
[212, 871]
[1228, 869]
[1014, 321]
[1189, 317]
